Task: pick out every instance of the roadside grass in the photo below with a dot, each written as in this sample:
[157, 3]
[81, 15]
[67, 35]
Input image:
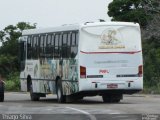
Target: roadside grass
[151, 89]
[12, 82]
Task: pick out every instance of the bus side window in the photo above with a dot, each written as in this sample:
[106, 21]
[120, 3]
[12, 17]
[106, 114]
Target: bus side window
[41, 46]
[73, 39]
[69, 44]
[56, 47]
[64, 39]
[44, 44]
[74, 46]
[64, 46]
[38, 46]
[29, 49]
[49, 47]
[52, 44]
[60, 44]
[49, 38]
[35, 47]
[77, 36]
[74, 50]
[32, 47]
[69, 39]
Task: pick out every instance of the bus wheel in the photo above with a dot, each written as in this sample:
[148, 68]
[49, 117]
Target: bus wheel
[116, 100]
[111, 98]
[60, 96]
[1, 92]
[34, 96]
[106, 99]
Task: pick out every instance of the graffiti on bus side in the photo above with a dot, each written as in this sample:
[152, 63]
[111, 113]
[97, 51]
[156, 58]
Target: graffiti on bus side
[66, 69]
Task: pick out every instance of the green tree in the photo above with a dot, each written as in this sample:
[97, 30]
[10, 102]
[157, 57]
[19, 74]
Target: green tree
[9, 36]
[139, 11]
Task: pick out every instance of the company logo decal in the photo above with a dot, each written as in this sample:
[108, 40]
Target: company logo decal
[111, 39]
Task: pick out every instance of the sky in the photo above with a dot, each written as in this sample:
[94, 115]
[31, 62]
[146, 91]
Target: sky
[50, 13]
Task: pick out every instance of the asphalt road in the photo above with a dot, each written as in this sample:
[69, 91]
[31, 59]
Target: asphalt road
[132, 107]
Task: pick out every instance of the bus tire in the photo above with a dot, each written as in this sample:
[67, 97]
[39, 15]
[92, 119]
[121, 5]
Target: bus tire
[2, 97]
[116, 100]
[34, 96]
[59, 90]
[111, 99]
[106, 99]
[1, 93]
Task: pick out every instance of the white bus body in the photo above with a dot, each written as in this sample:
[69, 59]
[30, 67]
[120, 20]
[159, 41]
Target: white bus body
[105, 59]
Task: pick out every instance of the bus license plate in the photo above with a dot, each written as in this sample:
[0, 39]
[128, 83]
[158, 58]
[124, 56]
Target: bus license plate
[112, 85]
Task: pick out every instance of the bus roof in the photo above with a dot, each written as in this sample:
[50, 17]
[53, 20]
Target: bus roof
[50, 30]
[72, 27]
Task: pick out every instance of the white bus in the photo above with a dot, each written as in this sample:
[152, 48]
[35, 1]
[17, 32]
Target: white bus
[74, 61]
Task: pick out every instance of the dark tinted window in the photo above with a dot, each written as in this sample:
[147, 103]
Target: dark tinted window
[56, 48]
[53, 45]
[29, 48]
[42, 45]
[69, 39]
[35, 47]
[64, 46]
[73, 39]
[65, 39]
[74, 44]
[49, 47]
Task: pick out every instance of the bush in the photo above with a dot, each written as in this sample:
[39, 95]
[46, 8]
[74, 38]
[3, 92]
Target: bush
[151, 90]
[12, 82]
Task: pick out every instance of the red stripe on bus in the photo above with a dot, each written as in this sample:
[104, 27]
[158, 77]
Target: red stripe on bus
[133, 52]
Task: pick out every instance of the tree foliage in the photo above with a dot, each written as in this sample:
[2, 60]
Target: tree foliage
[151, 56]
[147, 14]
[140, 11]
[9, 36]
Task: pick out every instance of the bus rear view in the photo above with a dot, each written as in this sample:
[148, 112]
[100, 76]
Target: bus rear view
[110, 60]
